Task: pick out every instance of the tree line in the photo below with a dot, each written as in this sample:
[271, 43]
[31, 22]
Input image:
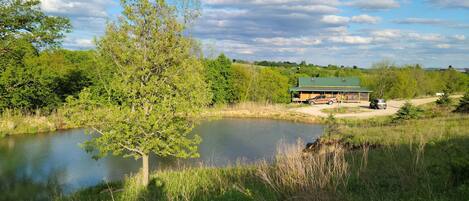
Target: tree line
[269, 84]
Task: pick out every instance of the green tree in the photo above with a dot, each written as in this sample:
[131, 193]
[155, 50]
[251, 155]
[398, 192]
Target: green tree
[157, 89]
[383, 79]
[332, 126]
[220, 78]
[244, 82]
[25, 31]
[444, 100]
[463, 106]
[408, 111]
[272, 87]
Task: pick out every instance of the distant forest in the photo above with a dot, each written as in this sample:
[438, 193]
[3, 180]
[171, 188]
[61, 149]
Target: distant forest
[44, 79]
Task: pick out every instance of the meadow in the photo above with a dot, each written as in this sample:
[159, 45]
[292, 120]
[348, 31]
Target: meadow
[419, 159]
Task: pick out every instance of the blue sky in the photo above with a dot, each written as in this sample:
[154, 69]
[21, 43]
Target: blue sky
[434, 33]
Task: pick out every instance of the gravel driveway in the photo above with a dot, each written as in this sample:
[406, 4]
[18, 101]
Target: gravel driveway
[393, 107]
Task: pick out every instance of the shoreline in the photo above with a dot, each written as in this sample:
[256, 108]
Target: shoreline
[32, 124]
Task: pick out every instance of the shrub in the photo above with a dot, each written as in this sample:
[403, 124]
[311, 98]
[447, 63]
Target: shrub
[444, 100]
[463, 106]
[332, 125]
[408, 111]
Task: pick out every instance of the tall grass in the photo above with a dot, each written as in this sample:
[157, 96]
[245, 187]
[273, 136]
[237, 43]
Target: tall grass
[15, 122]
[296, 175]
[259, 110]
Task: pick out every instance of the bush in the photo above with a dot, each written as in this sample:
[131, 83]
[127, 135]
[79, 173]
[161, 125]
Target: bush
[444, 100]
[408, 111]
[332, 126]
[463, 106]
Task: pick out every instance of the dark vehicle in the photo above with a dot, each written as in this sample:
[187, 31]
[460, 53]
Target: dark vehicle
[378, 104]
[322, 100]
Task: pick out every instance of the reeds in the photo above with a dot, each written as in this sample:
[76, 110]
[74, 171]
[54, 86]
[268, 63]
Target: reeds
[297, 175]
[259, 110]
[15, 122]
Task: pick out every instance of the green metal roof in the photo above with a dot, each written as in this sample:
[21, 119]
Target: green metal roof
[328, 82]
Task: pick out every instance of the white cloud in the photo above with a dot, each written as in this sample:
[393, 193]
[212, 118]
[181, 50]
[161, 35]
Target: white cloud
[387, 33]
[280, 41]
[88, 18]
[85, 42]
[351, 39]
[443, 46]
[88, 8]
[365, 19]
[459, 37]
[419, 21]
[325, 9]
[374, 4]
[78, 43]
[451, 3]
[335, 19]
[341, 20]
[426, 37]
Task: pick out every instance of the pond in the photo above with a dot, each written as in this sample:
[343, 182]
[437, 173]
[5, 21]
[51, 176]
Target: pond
[39, 161]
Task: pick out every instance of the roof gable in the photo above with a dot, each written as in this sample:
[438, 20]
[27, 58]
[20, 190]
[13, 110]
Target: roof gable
[328, 82]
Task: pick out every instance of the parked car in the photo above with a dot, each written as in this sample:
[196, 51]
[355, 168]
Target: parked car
[378, 104]
[322, 100]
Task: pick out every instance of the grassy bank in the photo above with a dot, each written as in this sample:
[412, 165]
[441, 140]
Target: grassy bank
[258, 110]
[13, 122]
[423, 159]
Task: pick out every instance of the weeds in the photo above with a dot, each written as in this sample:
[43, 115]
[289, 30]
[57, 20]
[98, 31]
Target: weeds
[298, 176]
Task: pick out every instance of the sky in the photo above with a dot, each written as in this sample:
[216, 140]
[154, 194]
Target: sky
[434, 33]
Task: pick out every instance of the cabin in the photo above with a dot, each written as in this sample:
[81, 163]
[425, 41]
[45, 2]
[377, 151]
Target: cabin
[345, 89]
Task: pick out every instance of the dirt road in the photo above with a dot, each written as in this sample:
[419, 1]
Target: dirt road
[393, 107]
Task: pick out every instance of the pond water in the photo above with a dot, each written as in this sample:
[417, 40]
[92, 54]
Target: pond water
[40, 161]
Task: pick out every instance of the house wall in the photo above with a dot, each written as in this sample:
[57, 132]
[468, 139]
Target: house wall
[304, 96]
[345, 97]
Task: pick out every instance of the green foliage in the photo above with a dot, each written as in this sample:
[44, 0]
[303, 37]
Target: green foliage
[390, 81]
[157, 87]
[444, 100]
[24, 31]
[24, 21]
[44, 81]
[220, 79]
[385, 79]
[463, 106]
[265, 85]
[332, 126]
[408, 111]
[272, 87]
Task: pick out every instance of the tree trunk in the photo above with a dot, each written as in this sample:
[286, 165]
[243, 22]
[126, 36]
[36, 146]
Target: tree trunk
[145, 170]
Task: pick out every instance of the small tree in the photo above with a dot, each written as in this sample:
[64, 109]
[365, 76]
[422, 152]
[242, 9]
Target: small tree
[156, 89]
[220, 77]
[408, 111]
[444, 100]
[463, 106]
[332, 125]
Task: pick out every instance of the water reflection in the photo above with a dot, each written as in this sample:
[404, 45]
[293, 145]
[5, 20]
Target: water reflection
[50, 164]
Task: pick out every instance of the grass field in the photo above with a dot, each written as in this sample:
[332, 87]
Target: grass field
[421, 159]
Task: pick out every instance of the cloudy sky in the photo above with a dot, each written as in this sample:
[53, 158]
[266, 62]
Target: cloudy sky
[434, 33]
